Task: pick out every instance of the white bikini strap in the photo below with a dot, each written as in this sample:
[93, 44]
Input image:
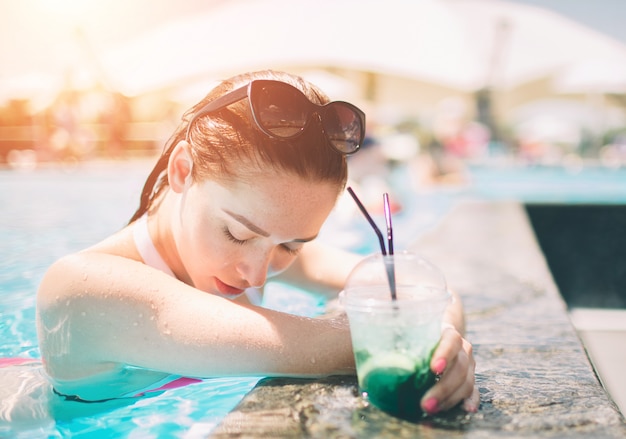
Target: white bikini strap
[146, 248]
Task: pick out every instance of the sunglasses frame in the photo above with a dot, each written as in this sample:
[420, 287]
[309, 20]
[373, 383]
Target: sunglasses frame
[247, 92]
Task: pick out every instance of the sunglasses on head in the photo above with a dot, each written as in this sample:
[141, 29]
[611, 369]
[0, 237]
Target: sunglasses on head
[281, 111]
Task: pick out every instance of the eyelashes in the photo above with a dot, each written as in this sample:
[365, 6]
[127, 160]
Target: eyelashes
[291, 251]
[231, 238]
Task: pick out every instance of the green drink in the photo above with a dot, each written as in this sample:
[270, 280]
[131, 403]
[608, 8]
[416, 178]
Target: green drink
[395, 383]
[394, 340]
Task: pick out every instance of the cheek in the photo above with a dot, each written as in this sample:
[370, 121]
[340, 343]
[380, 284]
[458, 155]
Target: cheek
[203, 248]
[280, 262]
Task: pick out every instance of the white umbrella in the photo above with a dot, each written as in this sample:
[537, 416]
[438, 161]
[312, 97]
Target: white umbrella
[595, 75]
[552, 120]
[462, 44]
[595, 78]
[563, 120]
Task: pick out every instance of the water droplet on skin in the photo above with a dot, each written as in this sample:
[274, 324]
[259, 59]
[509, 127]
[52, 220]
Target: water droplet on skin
[85, 277]
[313, 360]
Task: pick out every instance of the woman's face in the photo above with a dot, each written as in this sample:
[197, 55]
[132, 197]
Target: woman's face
[231, 236]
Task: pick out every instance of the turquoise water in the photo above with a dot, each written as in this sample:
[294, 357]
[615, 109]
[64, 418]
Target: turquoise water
[51, 212]
[48, 213]
[595, 184]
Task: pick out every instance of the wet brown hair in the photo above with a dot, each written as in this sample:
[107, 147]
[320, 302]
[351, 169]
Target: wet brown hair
[225, 144]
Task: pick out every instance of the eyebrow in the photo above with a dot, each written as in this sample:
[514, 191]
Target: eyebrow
[256, 229]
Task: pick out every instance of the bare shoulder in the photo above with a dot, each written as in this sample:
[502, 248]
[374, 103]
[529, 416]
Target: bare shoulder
[69, 272]
[75, 304]
[120, 244]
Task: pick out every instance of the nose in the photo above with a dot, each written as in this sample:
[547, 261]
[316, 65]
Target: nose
[253, 267]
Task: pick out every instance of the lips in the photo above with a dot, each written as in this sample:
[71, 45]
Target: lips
[227, 290]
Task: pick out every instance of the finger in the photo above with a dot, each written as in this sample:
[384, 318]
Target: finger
[456, 384]
[447, 350]
[472, 403]
[453, 377]
[464, 393]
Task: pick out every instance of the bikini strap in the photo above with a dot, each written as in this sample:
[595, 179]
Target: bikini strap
[146, 248]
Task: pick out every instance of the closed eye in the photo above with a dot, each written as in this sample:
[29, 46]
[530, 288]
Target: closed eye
[291, 251]
[284, 247]
[231, 238]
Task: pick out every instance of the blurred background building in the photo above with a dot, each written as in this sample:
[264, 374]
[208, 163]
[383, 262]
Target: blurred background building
[466, 80]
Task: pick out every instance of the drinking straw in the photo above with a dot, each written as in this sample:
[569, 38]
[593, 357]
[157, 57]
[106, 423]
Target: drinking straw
[381, 240]
[389, 264]
[388, 221]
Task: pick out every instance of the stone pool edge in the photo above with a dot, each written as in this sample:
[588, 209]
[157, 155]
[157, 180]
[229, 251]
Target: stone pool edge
[532, 371]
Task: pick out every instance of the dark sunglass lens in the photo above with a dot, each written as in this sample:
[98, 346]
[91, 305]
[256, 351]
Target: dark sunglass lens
[344, 127]
[280, 110]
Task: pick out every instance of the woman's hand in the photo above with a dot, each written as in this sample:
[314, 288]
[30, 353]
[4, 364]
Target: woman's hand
[454, 361]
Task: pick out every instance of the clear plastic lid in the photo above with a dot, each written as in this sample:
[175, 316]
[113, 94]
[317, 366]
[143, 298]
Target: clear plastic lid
[414, 278]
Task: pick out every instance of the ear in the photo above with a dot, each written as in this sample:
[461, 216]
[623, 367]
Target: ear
[179, 167]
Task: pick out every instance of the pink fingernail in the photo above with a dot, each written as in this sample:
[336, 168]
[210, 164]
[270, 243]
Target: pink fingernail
[431, 406]
[440, 366]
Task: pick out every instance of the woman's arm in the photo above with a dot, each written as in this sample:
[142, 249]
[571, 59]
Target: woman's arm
[97, 310]
[321, 268]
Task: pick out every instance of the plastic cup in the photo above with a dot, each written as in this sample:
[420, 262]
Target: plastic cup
[393, 340]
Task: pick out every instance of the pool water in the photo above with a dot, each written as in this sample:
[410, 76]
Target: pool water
[49, 213]
[592, 184]
[52, 212]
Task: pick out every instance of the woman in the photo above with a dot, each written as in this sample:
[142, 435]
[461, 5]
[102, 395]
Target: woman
[243, 187]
